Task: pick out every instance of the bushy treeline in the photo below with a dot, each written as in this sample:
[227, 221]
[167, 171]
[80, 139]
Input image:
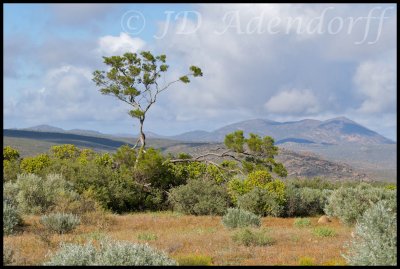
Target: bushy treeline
[72, 180]
[67, 182]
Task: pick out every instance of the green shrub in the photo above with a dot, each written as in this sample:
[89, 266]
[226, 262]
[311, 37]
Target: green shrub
[324, 232]
[200, 197]
[109, 253]
[36, 195]
[193, 260]
[11, 217]
[302, 222]
[147, 236]
[301, 202]
[59, 222]
[313, 183]
[10, 153]
[260, 202]
[35, 165]
[66, 151]
[250, 237]
[306, 261]
[11, 169]
[237, 218]
[375, 241]
[348, 204]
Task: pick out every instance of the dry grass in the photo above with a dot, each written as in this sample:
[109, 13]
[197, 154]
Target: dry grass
[180, 235]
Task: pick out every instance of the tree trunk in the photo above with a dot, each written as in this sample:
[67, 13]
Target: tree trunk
[142, 139]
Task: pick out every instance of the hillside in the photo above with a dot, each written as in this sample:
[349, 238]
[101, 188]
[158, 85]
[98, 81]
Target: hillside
[337, 131]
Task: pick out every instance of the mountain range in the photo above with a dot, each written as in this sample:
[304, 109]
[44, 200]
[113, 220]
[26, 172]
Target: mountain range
[333, 147]
[336, 131]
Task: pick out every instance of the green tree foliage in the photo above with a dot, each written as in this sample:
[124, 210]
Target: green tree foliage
[305, 201]
[261, 202]
[135, 79]
[66, 151]
[257, 179]
[35, 165]
[10, 154]
[255, 153]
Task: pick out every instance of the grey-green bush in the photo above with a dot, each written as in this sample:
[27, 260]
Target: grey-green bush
[251, 237]
[36, 195]
[260, 202]
[375, 240]
[200, 197]
[348, 204]
[60, 222]
[109, 253]
[237, 218]
[8, 255]
[11, 217]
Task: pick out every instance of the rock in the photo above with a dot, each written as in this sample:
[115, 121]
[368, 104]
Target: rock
[323, 220]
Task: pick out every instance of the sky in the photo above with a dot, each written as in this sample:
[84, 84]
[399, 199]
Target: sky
[280, 62]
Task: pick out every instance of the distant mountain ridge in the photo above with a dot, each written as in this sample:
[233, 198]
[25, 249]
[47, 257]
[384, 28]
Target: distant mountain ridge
[337, 131]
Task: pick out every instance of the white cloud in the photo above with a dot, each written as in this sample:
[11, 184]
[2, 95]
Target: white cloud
[117, 45]
[376, 83]
[293, 101]
[66, 94]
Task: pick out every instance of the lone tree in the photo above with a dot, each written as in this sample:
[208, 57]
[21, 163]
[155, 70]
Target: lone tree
[249, 154]
[133, 79]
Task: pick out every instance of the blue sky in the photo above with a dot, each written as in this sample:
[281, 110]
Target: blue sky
[270, 61]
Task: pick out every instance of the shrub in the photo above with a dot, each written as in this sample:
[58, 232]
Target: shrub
[306, 261]
[11, 217]
[375, 241]
[305, 201]
[109, 253]
[237, 218]
[260, 202]
[200, 197]
[10, 154]
[11, 169]
[59, 222]
[249, 237]
[66, 151]
[8, 255]
[194, 259]
[302, 222]
[324, 232]
[147, 236]
[37, 195]
[348, 204]
[35, 165]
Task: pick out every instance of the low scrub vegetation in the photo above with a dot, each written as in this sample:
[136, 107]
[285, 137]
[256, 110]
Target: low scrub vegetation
[252, 237]
[194, 260]
[238, 218]
[348, 204]
[59, 222]
[109, 253]
[324, 232]
[375, 239]
[302, 222]
[84, 185]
